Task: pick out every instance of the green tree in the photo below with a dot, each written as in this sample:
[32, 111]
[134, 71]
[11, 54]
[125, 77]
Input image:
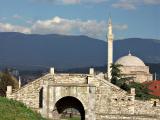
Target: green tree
[142, 91]
[115, 73]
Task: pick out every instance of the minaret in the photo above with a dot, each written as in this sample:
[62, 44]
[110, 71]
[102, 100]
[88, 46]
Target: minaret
[110, 47]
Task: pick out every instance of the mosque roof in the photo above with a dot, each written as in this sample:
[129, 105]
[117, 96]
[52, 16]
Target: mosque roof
[130, 60]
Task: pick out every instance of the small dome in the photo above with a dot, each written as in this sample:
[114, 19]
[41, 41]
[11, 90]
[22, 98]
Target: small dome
[130, 60]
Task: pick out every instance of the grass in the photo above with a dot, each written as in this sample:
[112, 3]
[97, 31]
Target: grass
[13, 110]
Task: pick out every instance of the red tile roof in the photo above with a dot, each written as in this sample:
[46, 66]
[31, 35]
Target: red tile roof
[154, 86]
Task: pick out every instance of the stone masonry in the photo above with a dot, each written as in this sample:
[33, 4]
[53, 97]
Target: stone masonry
[94, 96]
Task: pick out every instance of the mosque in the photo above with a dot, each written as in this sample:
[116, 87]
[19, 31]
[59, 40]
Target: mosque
[132, 66]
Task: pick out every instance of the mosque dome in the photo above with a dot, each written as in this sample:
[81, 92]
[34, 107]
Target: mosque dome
[130, 60]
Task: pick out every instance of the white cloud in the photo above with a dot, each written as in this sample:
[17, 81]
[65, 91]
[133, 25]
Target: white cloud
[93, 1]
[154, 2]
[16, 16]
[2, 18]
[58, 25]
[6, 27]
[120, 27]
[30, 21]
[91, 28]
[133, 4]
[67, 2]
[125, 4]
[71, 1]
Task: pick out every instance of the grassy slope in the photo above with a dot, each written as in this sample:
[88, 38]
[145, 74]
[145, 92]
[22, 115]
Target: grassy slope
[13, 110]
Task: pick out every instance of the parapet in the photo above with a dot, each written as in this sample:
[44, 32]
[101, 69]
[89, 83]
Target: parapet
[133, 91]
[9, 91]
[91, 71]
[52, 70]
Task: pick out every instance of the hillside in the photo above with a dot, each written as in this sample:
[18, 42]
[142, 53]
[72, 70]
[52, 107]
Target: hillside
[66, 52]
[13, 110]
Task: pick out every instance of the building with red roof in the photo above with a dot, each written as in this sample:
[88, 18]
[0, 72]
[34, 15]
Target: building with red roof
[154, 86]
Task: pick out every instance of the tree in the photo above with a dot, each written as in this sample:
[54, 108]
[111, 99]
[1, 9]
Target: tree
[5, 80]
[142, 91]
[115, 73]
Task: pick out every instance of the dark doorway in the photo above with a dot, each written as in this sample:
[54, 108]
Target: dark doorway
[41, 98]
[70, 103]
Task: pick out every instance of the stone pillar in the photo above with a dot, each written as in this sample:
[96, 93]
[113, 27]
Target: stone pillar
[133, 92]
[45, 108]
[90, 113]
[132, 97]
[52, 70]
[19, 82]
[91, 71]
[51, 102]
[90, 76]
[9, 91]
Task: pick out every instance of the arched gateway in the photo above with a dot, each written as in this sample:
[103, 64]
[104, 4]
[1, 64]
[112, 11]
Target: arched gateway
[69, 102]
[57, 97]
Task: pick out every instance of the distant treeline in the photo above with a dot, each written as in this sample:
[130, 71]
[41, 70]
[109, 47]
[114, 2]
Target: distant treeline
[29, 75]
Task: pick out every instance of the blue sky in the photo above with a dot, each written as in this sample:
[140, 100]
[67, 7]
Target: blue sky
[131, 18]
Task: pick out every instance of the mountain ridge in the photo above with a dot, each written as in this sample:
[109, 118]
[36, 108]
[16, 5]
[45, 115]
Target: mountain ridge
[67, 52]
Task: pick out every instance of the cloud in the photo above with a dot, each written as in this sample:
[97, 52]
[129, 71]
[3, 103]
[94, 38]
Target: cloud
[55, 25]
[93, 1]
[30, 21]
[16, 16]
[6, 27]
[68, 2]
[71, 1]
[125, 4]
[58, 25]
[2, 18]
[133, 4]
[120, 27]
[154, 2]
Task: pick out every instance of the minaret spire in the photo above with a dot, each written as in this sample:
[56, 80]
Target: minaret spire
[110, 47]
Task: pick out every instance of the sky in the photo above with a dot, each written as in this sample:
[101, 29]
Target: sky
[130, 18]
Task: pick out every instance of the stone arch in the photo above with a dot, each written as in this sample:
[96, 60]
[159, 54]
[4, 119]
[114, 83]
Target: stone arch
[70, 102]
[41, 98]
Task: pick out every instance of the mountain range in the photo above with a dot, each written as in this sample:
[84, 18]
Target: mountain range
[66, 52]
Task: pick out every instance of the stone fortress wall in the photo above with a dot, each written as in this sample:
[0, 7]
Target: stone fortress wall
[101, 99]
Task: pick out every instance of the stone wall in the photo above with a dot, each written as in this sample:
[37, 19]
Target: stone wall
[29, 94]
[100, 99]
[111, 99]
